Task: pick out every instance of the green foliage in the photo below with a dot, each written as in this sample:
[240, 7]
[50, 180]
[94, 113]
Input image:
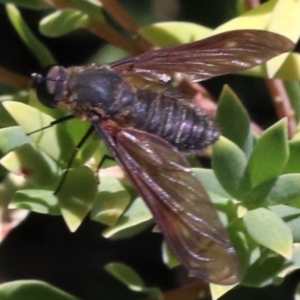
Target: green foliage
[254, 181]
[32, 290]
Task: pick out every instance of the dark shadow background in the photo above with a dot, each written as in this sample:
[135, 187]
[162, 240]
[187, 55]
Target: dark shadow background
[43, 248]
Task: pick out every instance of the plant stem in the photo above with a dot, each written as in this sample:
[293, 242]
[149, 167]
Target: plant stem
[13, 79]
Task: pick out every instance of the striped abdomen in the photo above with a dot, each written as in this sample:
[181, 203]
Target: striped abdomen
[181, 123]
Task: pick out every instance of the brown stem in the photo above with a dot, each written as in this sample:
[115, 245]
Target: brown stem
[109, 34]
[102, 30]
[13, 79]
[282, 103]
[197, 290]
[119, 14]
[278, 92]
[250, 4]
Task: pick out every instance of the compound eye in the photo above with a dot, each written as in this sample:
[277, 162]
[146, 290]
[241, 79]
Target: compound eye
[50, 85]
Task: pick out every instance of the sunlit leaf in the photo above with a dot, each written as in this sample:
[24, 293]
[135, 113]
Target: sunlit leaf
[284, 20]
[256, 18]
[54, 141]
[219, 290]
[172, 33]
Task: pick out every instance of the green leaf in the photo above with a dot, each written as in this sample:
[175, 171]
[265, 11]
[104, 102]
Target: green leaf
[293, 163]
[11, 138]
[264, 271]
[292, 264]
[40, 201]
[285, 190]
[32, 290]
[169, 257]
[77, 195]
[6, 120]
[233, 120]
[126, 275]
[9, 186]
[54, 141]
[210, 182]
[92, 8]
[111, 201]
[229, 163]
[286, 26]
[218, 291]
[34, 165]
[32, 4]
[290, 69]
[269, 155]
[136, 218]
[132, 280]
[269, 230]
[256, 18]
[291, 216]
[293, 90]
[63, 21]
[173, 33]
[42, 54]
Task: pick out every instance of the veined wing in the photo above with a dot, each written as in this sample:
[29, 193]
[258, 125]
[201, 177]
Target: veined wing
[180, 206]
[228, 52]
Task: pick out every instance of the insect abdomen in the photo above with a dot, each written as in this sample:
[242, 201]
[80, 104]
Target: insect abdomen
[178, 121]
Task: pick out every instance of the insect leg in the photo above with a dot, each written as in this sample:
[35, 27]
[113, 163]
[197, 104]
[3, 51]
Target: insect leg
[76, 149]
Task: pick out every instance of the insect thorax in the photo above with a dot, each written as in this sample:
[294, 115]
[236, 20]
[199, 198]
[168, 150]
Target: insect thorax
[142, 104]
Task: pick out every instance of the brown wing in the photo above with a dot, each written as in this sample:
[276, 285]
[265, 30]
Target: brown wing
[228, 52]
[179, 203]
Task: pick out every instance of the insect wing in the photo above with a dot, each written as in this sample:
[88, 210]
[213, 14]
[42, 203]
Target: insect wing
[179, 203]
[228, 52]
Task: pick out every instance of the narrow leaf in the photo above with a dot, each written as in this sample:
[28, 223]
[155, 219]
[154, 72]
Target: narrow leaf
[34, 45]
[63, 21]
[233, 120]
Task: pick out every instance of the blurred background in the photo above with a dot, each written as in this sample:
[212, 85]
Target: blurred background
[42, 247]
